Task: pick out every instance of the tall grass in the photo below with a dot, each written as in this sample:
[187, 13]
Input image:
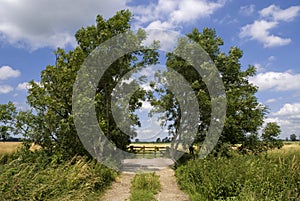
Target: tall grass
[36, 176]
[275, 177]
[144, 187]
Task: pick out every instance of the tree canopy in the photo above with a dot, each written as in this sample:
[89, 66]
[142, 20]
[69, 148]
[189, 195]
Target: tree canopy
[50, 122]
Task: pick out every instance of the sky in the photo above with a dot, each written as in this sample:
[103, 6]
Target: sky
[267, 32]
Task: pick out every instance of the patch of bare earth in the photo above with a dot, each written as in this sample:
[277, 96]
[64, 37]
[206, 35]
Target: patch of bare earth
[169, 188]
[120, 189]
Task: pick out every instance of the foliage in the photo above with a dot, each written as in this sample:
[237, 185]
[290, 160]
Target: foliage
[35, 176]
[244, 177]
[51, 98]
[144, 187]
[7, 119]
[293, 137]
[244, 114]
[270, 134]
[14, 122]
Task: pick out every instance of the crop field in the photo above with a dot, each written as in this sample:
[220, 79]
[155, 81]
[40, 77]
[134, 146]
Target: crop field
[9, 147]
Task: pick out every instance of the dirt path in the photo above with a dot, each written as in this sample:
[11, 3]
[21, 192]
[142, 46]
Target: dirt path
[120, 190]
[169, 188]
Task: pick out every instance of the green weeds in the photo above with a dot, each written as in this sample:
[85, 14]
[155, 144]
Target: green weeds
[144, 187]
[248, 177]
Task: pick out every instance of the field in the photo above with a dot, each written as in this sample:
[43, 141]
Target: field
[34, 176]
[9, 147]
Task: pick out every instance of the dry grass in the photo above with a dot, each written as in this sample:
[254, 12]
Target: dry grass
[287, 148]
[9, 147]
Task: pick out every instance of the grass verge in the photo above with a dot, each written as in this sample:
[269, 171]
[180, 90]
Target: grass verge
[144, 187]
[35, 176]
[275, 177]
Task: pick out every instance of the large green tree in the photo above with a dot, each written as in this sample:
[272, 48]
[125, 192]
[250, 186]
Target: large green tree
[244, 115]
[51, 98]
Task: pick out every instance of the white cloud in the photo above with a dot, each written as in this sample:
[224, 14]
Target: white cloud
[168, 39]
[259, 31]
[190, 10]
[277, 14]
[4, 89]
[23, 86]
[281, 122]
[171, 13]
[272, 100]
[258, 67]
[289, 110]
[247, 10]
[146, 106]
[7, 72]
[271, 58]
[288, 118]
[271, 17]
[278, 81]
[35, 24]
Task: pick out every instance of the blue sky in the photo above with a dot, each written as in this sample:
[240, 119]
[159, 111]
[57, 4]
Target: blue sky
[267, 32]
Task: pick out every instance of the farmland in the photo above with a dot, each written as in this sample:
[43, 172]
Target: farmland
[33, 175]
[9, 147]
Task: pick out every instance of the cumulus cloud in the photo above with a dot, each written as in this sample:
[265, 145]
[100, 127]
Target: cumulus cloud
[35, 24]
[171, 13]
[291, 110]
[270, 18]
[272, 100]
[288, 118]
[260, 31]
[247, 10]
[23, 86]
[7, 72]
[4, 89]
[278, 81]
[275, 13]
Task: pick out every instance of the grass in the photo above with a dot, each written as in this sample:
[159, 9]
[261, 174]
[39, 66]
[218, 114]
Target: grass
[144, 187]
[275, 176]
[36, 176]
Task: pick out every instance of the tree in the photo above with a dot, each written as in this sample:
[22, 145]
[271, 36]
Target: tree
[293, 137]
[244, 114]
[270, 133]
[51, 99]
[7, 120]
